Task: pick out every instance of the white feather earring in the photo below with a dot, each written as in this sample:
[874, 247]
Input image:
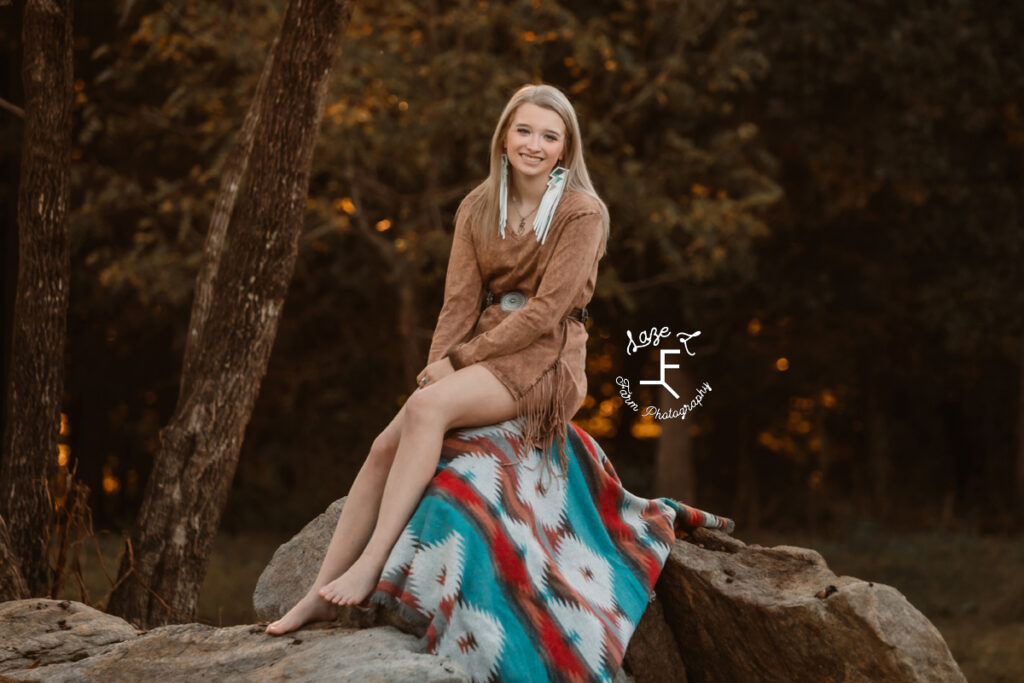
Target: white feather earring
[503, 196]
[546, 209]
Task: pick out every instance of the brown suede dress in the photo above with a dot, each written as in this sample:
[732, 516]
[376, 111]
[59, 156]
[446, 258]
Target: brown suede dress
[536, 351]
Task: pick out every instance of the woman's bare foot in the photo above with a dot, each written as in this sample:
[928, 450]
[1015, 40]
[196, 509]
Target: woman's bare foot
[355, 585]
[310, 608]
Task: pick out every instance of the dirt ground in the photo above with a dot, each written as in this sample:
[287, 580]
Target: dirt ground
[970, 587]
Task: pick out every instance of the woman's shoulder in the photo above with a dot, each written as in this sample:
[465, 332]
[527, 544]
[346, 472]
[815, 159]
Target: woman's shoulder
[474, 196]
[580, 203]
[577, 202]
[469, 204]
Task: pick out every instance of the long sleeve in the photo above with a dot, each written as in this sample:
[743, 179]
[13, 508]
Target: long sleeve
[463, 292]
[572, 263]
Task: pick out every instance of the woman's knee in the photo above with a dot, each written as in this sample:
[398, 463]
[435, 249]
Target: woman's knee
[421, 406]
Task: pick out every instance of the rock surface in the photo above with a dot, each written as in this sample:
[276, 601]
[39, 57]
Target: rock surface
[724, 611]
[744, 613]
[652, 651]
[36, 632]
[294, 566]
[50, 640]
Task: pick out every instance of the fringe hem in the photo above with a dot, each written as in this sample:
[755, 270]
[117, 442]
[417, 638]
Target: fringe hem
[543, 419]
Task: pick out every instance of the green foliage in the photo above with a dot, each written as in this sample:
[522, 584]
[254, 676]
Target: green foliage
[833, 183]
[414, 97]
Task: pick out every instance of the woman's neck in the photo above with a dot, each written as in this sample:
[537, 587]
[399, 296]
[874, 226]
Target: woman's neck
[528, 192]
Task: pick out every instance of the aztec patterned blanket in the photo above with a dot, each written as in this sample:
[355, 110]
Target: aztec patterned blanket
[517, 585]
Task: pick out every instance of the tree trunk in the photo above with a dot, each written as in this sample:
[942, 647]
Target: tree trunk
[674, 473]
[12, 583]
[239, 295]
[1020, 438]
[39, 326]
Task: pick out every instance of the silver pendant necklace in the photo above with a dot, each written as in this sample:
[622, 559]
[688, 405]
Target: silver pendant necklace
[522, 218]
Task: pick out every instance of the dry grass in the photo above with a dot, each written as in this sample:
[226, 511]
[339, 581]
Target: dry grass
[226, 596]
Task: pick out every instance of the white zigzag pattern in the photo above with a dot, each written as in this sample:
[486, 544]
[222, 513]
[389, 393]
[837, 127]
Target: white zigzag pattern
[631, 514]
[670, 512]
[548, 507]
[498, 431]
[586, 571]
[586, 631]
[482, 472]
[475, 639]
[434, 563]
[401, 555]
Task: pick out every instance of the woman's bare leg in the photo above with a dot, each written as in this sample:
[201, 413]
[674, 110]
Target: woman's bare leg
[352, 531]
[471, 396]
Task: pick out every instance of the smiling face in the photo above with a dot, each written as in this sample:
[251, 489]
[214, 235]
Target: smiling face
[535, 140]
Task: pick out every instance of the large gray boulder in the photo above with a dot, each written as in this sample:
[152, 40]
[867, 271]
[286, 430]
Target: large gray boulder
[750, 613]
[50, 640]
[724, 611]
[35, 632]
[294, 566]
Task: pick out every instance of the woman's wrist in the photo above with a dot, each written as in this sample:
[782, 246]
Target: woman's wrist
[455, 357]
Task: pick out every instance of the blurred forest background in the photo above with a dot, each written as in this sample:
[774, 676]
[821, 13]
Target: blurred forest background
[831, 192]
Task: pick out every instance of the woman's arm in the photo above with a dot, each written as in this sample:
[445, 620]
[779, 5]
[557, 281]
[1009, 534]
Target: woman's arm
[463, 293]
[573, 260]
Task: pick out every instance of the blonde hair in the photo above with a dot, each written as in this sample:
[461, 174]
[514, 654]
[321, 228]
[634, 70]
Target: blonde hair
[485, 196]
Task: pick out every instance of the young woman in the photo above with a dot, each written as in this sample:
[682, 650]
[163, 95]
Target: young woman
[526, 249]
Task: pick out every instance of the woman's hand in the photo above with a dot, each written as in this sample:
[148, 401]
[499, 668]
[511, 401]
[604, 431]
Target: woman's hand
[434, 372]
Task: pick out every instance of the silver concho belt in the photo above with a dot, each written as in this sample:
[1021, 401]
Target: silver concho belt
[513, 300]
[509, 301]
